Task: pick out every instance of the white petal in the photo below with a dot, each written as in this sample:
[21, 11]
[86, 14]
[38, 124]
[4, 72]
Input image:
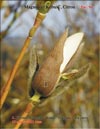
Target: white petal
[71, 45]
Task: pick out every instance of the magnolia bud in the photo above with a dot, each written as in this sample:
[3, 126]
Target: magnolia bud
[47, 77]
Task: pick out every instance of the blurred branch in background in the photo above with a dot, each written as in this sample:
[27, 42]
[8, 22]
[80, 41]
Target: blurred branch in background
[11, 9]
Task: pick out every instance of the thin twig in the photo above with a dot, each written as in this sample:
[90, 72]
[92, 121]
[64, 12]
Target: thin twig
[6, 88]
[28, 109]
[35, 99]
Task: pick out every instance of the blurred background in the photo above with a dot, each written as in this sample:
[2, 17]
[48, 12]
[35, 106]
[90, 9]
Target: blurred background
[75, 108]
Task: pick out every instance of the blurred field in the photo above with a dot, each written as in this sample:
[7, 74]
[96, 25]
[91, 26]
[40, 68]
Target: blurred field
[77, 107]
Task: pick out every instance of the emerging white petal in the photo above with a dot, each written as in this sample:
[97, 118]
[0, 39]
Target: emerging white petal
[71, 45]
